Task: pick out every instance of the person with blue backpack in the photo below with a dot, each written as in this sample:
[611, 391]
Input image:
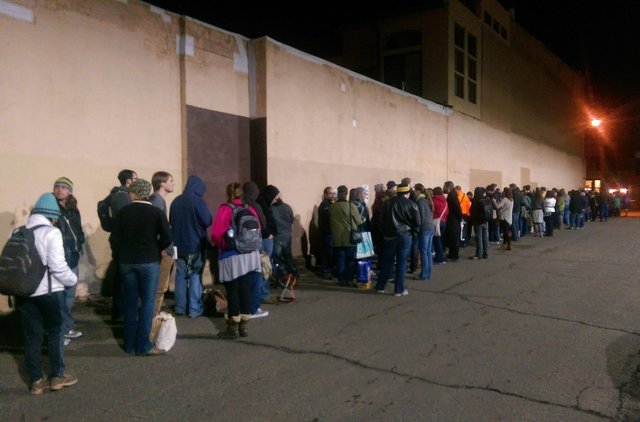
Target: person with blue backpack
[237, 234]
[41, 312]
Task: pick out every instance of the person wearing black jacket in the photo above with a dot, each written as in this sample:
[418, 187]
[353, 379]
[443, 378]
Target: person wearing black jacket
[481, 211]
[265, 200]
[70, 225]
[140, 235]
[452, 230]
[400, 220]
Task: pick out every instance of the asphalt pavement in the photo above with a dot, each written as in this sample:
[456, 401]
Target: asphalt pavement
[549, 331]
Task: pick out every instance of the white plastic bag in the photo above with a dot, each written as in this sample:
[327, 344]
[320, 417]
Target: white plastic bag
[167, 332]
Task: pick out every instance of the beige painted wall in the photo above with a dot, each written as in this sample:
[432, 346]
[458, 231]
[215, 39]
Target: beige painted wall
[353, 131]
[92, 87]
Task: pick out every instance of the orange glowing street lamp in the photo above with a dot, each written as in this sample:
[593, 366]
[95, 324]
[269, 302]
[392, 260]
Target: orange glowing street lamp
[596, 122]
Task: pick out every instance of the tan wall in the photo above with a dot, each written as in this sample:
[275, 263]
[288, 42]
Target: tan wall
[92, 87]
[352, 130]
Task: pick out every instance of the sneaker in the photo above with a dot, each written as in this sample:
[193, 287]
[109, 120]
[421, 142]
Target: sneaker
[67, 341]
[259, 314]
[73, 334]
[381, 291]
[406, 292]
[58, 383]
[474, 257]
[39, 386]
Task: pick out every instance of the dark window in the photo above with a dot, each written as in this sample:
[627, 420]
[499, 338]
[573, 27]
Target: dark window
[504, 34]
[496, 27]
[459, 86]
[472, 74]
[404, 71]
[487, 18]
[459, 36]
[460, 61]
[472, 45]
[472, 92]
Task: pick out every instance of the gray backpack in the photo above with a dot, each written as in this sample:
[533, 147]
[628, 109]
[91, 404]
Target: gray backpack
[245, 228]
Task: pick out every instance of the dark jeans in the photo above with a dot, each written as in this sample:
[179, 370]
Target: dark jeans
[395, 248]
[139, 286]
[327, 254]
[346, 258]
[42, 315]
[239, 295]
[413, 255]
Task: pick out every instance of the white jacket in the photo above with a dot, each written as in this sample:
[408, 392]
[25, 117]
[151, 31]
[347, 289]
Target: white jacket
[49, 246]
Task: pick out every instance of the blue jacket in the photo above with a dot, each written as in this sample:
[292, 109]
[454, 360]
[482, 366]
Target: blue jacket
[190, 218]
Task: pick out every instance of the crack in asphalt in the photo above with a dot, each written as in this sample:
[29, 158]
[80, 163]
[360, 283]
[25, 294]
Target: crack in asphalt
[410, 377]
[366, 317]
[467, 298]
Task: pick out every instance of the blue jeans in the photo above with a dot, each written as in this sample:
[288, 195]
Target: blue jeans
[566, 217]
[139, 287]
[604, 212]
[69, 295]
[394, 248]
[482, 240]
[41, 315]
[425, 243]
[515, 226]
[188, 280]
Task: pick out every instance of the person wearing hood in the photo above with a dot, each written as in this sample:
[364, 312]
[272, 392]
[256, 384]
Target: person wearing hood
[259, 285]
[190, 217]
[266, 199]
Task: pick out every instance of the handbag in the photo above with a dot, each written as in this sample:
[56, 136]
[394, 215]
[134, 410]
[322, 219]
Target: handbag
[436, 221]
[365, 248]
[166, 331]
[355, 236]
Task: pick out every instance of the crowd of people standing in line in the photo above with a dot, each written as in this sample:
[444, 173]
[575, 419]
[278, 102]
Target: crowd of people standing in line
[429, 225]
[148, 250]
[410, 227]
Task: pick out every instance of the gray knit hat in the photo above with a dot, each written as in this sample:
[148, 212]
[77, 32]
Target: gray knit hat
[141, 188]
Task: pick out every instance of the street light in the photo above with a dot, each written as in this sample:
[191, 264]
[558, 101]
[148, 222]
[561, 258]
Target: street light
[595, 122]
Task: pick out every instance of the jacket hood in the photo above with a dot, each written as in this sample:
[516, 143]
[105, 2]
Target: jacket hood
[195, 185]
[251, 191]
[269, 193]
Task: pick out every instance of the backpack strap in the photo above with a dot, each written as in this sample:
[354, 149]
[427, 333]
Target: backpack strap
[33, 229]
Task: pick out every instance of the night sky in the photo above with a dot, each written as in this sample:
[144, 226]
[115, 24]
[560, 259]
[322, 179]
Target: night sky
[599, 39]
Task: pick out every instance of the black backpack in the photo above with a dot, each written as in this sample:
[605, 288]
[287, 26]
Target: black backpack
[247, 236]
[104, 211]
[21, 268]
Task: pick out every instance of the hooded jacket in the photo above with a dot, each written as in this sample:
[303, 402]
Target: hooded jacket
[251, 194]
[190, 217]
[48, 241]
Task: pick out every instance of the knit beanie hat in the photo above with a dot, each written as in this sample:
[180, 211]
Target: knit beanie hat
[141, 188]
[64, 181]
[47, 205]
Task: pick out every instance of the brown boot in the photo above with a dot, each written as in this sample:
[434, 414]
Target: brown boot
[242, 328]
[509, 247]
[232, 329]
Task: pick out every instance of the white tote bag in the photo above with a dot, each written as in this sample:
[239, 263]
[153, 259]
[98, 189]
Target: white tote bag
[167, 331]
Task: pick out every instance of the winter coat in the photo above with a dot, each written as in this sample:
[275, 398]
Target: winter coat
[49, 244]
[190, 217]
